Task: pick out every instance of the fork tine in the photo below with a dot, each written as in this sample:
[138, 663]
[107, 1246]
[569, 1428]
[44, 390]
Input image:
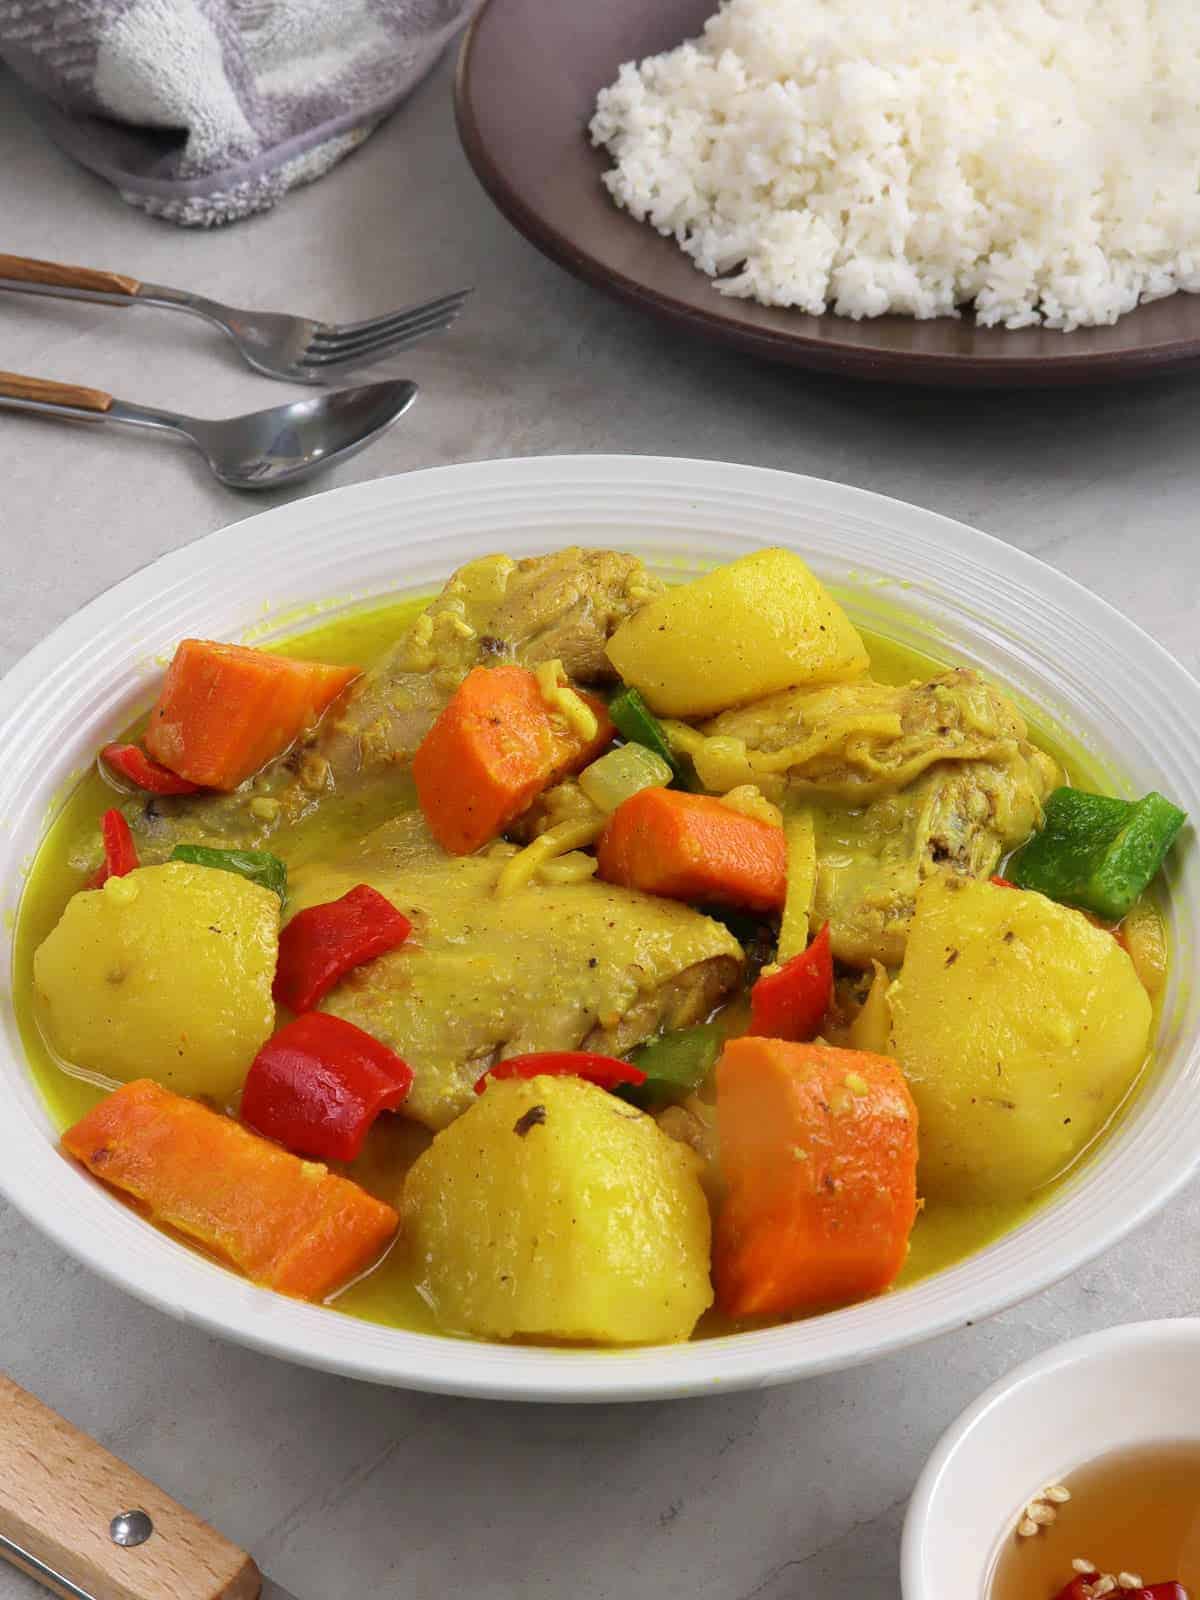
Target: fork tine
[372, 352]
[352, 333]
[430, 322]
[339, 343]
[371, 349]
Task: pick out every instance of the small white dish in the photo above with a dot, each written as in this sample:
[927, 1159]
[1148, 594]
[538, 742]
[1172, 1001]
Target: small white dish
[1128, 1386]
[908, 574]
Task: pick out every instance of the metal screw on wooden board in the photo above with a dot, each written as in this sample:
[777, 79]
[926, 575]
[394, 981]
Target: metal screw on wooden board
[130, 1528]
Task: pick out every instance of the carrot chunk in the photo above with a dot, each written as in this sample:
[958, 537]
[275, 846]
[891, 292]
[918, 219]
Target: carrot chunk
[493, 750]
[819, 1152]
[226, 710]
[283, 1222]
[691, 847]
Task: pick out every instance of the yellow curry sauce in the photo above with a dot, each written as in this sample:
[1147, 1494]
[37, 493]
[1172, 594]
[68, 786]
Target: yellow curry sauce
[943, 1234]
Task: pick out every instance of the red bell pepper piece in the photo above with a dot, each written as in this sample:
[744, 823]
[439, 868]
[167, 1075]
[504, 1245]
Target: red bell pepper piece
[790, 1003]
[319, 946]
[1001, 883]
[1078, 1588]
[317, 1086]
[132, 762]
[604, 1071]
[120, 853]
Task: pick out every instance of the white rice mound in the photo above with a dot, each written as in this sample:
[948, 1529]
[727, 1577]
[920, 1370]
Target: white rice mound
[1036, 159]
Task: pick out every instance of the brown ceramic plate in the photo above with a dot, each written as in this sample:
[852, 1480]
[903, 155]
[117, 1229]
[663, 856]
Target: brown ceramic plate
[528, 77]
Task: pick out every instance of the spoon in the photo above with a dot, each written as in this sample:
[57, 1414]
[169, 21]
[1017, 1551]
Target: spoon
[262, 450]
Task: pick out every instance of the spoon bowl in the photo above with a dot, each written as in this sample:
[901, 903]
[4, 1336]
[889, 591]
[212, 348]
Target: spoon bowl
[284, 444]
[287, 443]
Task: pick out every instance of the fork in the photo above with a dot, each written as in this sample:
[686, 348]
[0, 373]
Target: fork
[295, 348]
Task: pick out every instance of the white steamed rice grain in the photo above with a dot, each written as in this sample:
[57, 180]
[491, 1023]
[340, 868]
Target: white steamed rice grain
[1039, 159]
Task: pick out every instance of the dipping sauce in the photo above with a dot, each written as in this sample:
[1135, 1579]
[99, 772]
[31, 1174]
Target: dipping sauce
[1127, 1526]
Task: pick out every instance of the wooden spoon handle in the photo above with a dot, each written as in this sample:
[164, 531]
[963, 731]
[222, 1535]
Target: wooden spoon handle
[46, 392]
[56, 275]
[59, 1493]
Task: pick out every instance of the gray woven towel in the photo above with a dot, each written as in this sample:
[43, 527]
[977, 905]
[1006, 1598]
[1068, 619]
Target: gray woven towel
[203, 111]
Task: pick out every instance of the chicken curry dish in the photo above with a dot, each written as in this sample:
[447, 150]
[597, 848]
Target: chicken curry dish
[576, 958]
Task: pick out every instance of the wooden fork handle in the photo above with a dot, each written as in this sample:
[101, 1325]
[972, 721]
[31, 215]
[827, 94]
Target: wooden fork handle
[56, 275]
[47, 392]
[60, 1490]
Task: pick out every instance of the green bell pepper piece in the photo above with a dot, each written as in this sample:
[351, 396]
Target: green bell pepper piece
[637, 724]
[257, 865]
[675, 1064]
[1097, 852]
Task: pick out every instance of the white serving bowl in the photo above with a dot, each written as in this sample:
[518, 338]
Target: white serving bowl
[965, 597]
[1110, 1391]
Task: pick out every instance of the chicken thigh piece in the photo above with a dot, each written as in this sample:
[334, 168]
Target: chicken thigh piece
[856, 742]
[957, 818]
[562, 606]
[903, 781]
[557, 966]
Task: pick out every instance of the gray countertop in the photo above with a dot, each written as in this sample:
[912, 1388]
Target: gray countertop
[339, 1489]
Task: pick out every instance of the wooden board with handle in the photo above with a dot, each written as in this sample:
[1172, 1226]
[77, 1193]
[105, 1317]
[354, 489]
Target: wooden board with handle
[59, 1492]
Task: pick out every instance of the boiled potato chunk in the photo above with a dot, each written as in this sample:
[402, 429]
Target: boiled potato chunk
[164, 973]
[552, 1209]
[760, 624]
[1020, 1027]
